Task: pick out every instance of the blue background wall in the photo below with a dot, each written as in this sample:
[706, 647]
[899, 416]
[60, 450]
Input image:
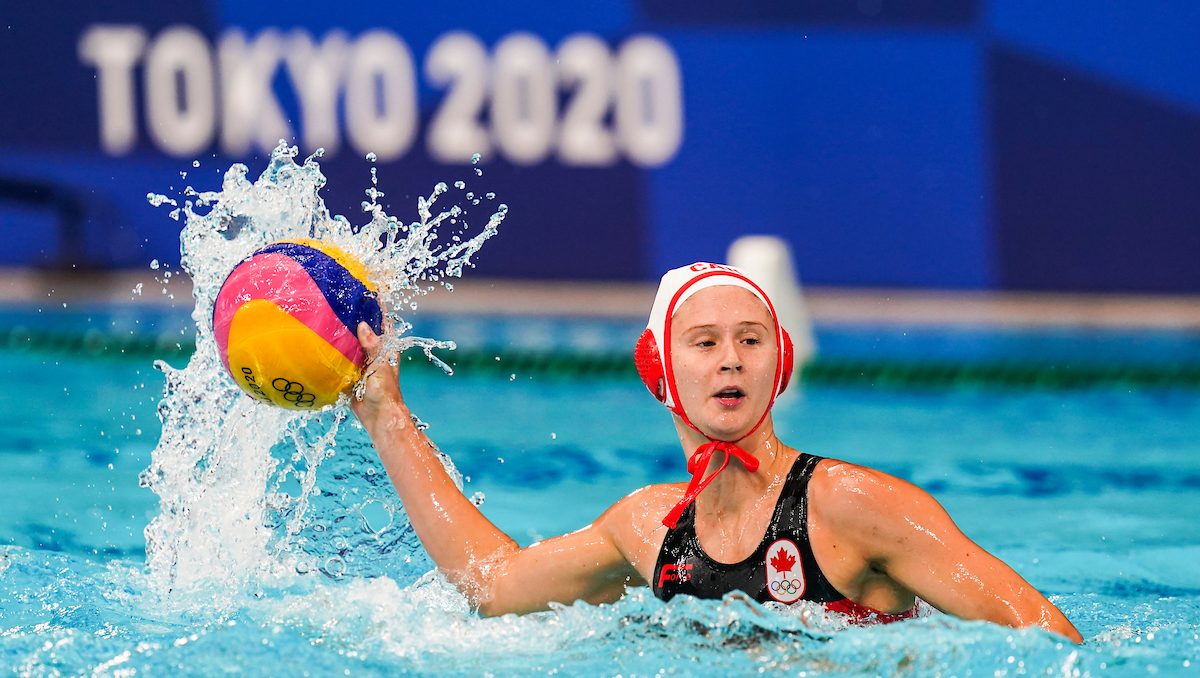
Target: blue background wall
[1002, 144]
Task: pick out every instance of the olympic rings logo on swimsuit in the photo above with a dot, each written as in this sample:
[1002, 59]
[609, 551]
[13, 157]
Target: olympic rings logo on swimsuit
[293, 392]
[788, 586]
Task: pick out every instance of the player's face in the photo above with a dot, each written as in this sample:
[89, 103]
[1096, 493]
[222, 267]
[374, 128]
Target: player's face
[723, 352]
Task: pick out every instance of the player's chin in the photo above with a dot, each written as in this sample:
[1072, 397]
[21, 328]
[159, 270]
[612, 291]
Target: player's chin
[728, 428]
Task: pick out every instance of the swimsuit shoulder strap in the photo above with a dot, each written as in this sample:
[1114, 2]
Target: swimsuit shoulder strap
[679, 541]
[791, 511]
[790, 524]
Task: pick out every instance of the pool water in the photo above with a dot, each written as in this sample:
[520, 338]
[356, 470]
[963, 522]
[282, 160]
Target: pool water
[1092, 495]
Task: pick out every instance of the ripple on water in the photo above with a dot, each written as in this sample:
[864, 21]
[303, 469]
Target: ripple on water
[67, 614]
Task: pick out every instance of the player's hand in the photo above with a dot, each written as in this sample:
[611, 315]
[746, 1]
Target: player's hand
[380, 396]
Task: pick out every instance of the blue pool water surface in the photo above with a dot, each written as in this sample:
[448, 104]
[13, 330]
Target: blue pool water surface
[1092, 495]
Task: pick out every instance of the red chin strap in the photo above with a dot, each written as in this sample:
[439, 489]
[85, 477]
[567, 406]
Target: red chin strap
[697, 465]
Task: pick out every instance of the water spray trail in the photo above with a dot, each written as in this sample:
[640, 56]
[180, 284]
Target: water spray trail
[214, 464]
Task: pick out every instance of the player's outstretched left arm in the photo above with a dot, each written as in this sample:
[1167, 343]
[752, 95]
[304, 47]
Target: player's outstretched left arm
[904, 532]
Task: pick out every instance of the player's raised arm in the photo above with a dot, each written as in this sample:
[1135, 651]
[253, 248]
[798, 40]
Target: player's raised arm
[483, 562]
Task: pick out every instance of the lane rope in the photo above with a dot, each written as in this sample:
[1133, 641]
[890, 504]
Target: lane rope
[582, 364]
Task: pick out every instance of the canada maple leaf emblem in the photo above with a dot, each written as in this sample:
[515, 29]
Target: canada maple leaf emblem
[782, 561]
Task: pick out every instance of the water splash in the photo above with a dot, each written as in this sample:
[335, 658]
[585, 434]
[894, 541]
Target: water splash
[237, 481]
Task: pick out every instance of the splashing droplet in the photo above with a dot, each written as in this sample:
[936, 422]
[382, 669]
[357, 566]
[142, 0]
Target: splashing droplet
[158, 200]
[334, 566]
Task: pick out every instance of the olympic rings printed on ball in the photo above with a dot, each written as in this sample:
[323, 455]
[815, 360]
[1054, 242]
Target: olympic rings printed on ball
[787, 586]
[293, 392]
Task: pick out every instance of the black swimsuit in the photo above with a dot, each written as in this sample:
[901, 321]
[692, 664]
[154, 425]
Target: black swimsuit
[781, 569]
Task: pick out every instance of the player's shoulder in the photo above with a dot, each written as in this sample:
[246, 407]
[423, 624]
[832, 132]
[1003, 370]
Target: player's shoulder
[853, 491]
[650, 499]
[634, 522]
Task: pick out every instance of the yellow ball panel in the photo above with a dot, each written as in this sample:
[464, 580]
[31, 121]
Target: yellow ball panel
[277, 359]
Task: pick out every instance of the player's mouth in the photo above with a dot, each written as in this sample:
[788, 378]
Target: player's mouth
[730, 397]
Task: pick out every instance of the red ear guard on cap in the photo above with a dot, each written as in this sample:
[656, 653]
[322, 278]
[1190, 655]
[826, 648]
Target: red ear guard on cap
[650, 368]
[789, 362]
[649, 365]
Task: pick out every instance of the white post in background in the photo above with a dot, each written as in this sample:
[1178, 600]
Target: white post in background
[768, 260]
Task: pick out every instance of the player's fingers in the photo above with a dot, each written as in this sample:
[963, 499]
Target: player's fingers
[370, 341]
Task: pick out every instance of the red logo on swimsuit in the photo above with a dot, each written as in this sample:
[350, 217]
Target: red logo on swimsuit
[785, 581]
[782, 561]
[679, 572]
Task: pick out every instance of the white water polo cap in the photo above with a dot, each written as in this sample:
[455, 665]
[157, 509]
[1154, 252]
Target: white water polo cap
[652, 356]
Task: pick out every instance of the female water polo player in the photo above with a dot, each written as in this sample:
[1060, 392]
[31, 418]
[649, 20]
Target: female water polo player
[758, 516]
